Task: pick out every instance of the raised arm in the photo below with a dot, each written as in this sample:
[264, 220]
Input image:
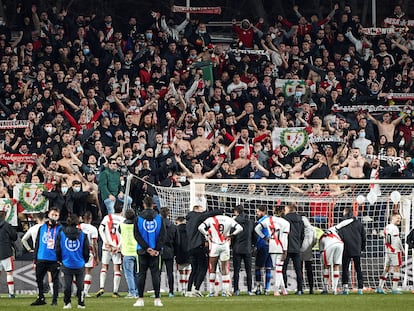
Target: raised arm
[373, 120]
[215, 169]
[297, 189]
[69, 102]
[119, 104]
[398, 120]
[183, 167]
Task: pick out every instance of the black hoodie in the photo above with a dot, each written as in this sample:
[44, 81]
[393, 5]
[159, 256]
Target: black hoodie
[354, 237]
[297, 232]
[7, 236]
[194, 219]
[242, 242]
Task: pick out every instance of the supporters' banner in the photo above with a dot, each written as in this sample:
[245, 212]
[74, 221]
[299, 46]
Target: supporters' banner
[394, 161]
[30, 197]
[250, 52]
[326, 140]
[399, 22]
[369, 108]
[400, 96]
[196, 10]
[13, 124]
[18, 158]
[295, 138]
[289, 86]
[378, 31]
[11, 210]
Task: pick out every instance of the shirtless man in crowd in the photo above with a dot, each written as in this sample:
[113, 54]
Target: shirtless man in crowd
[180, 144]
[387, 126]
[200, 142]
[355, 163]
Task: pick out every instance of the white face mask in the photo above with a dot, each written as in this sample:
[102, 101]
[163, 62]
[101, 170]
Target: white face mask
[64, 190]
[48, 129]
[183, 178]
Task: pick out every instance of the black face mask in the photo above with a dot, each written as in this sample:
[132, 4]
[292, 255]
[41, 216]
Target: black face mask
[52, 222]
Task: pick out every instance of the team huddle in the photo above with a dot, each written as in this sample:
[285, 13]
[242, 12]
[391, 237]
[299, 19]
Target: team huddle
[200, 242]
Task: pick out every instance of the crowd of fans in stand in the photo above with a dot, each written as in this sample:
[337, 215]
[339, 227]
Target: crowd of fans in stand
[103, 100]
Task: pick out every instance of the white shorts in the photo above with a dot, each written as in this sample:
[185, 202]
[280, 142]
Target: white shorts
[333, 254]
[107, 256]
[220, 250]
[91, 261]
[184, 267]
[7, 264]
[393, 259]
[277, 261]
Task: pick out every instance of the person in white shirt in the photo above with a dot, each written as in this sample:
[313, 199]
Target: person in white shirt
[237, 85]
[111, 249]
[361, 142]
[393, 254]
[218, 230]
[31, 235]
[331, 248]
[92, 234]
[277, 238]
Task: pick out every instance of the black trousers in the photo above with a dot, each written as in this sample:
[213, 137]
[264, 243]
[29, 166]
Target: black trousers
[153, 263]
[309, 273]
[68, 275]
[199, 265]
[237, 261]
[297, 264]
[346, 260]
[42, 267]
[169, 269]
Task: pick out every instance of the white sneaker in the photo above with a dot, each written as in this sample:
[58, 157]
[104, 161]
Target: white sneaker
[81, 307]
[139, 303]
[129, 296]
[367, 219]
[158, 303]
[67, 306]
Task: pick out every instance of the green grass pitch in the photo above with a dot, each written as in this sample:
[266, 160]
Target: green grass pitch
[352, 302]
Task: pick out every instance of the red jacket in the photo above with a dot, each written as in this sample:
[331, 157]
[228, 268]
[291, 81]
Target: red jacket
[246, 36]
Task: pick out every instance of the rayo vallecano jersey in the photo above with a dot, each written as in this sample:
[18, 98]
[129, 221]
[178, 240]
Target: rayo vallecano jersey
[328, 238]
[219, 228]
[109, 230]
[278, 231]
[392, 239]
[90, 231]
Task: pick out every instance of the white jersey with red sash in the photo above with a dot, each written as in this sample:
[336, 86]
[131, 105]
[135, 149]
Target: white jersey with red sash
[219, 228]
[278, 231]
[109, 231]
[392, 239]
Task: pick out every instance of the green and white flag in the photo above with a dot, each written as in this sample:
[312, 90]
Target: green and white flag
[295, 138]
[289, 86]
